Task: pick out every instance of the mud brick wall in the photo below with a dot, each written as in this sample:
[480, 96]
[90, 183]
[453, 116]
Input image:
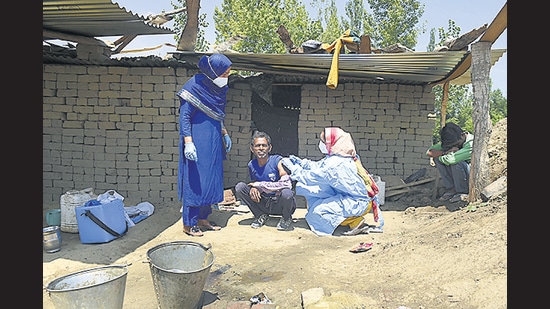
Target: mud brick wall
[108, 127]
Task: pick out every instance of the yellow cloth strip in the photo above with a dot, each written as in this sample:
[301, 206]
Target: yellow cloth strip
[332, 80]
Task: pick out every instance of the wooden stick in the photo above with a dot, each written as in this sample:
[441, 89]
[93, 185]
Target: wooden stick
[397, 192]
[411, 184]
[434, 190]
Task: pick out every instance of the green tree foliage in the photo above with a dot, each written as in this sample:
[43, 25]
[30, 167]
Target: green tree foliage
[333, 30]
[327, 16]
[258, 21]
[499, 106]
[395, 21]
[358, 19]
[431, 43]
[392, 21]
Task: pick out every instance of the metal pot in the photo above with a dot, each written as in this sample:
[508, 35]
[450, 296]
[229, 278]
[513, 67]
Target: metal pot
[51, 239]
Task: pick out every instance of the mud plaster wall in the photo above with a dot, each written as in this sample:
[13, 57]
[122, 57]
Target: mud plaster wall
[116, 128]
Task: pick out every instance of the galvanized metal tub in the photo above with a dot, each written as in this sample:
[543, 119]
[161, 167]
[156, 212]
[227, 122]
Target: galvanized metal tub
[179, 270]
[100, 287]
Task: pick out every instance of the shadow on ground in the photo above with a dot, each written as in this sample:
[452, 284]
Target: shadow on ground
[162, 218]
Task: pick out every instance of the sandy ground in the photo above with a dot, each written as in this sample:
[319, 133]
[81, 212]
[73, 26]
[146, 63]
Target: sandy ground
[431, 254]
[427, 257]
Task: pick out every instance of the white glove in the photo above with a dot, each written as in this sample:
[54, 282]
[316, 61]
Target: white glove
[289, 165]
[227, 141]
[295, 159]
[190, 151]
[304, 163]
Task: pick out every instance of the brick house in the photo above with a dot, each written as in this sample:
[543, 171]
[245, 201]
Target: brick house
[112, 124]
[115, 127]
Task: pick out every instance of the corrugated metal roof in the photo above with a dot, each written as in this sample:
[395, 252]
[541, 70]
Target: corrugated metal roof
[466, 78]
[95, 18]
[418, 68]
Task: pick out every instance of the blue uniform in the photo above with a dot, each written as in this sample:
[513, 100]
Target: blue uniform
[202, 111]
[277, 195]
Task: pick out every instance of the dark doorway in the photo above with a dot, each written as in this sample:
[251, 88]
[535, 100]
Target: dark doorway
[279, 119]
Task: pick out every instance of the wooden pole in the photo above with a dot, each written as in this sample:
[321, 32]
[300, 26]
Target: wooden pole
[444, 103]
[479, 169]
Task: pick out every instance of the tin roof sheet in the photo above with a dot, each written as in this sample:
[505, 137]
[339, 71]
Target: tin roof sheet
[95, 18]
[418, 68]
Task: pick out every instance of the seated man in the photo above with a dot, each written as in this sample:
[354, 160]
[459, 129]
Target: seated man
[337, 188]
[270, 190]
[452, 158]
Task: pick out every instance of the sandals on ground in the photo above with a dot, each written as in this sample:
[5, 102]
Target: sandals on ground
[194, 231]
[361, 228]
[211, 226]
[446, 196]
[362, 247]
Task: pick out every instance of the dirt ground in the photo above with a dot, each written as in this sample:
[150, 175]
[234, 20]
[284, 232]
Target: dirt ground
[431, 254]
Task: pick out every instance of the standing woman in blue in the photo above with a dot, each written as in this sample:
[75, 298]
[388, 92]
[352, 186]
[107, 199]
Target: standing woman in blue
[203, 144]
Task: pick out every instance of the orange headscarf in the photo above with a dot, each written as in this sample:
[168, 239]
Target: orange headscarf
[339, 142]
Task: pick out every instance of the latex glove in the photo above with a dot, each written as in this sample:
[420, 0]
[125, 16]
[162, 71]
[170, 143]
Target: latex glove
[227, 141]
[190, 151]
[289, 165]
[304, 163]
[294, 159]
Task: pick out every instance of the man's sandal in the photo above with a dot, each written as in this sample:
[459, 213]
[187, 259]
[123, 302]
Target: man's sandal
[194, 231]
[446, 196]
[361, 228]
[211, 226]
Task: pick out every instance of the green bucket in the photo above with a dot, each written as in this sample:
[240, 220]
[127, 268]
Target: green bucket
[53, 217]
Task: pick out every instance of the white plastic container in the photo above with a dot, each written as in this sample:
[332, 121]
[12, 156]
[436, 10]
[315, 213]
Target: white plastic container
[381, 188]
[69, 201]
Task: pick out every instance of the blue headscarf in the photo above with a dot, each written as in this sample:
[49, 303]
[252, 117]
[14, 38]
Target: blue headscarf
[200, 90]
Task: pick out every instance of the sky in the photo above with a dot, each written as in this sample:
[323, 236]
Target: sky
[467, 14]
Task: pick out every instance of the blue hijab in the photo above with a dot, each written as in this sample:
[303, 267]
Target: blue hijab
[200, 90]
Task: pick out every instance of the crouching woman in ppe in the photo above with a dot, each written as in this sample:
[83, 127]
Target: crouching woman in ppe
[337, 188]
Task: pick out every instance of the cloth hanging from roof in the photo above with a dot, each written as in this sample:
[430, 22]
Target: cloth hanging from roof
[348, 37]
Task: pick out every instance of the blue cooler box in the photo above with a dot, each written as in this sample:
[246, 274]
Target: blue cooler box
[111, 214]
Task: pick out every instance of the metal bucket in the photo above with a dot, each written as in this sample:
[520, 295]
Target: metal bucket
[100, 287]
[179, 270]
[51, 239]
